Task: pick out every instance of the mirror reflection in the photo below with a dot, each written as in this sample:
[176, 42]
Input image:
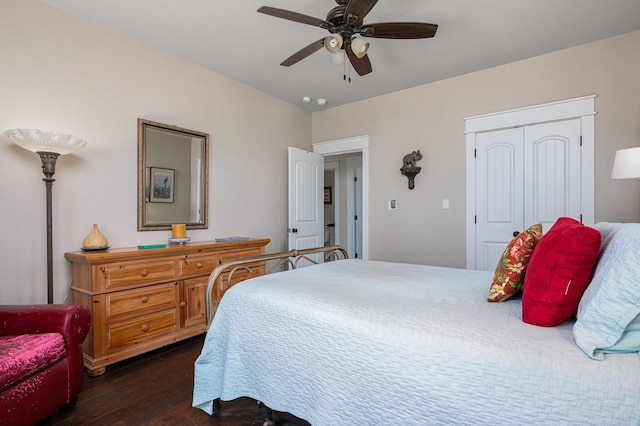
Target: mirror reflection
[173, 175]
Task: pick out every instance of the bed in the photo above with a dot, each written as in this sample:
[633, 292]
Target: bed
[354, 342]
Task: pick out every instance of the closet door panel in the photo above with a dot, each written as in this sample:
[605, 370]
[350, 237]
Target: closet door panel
[552, 172]
[499, 195]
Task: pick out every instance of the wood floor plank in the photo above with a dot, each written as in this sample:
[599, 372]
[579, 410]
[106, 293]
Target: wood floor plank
[155, 389]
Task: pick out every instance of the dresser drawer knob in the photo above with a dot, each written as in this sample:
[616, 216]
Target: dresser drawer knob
[183, 304]
[145, 327]
[199, 265]
[144, 273]
[144, 299]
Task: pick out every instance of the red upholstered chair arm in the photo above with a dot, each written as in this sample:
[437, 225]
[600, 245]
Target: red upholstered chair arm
[72, 321]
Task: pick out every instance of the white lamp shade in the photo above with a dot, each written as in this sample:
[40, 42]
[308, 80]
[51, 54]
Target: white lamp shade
[359, 47]
[626, 165]
[333, 43]
[45, 141]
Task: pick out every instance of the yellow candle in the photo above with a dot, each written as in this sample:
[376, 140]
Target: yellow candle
[179, 230]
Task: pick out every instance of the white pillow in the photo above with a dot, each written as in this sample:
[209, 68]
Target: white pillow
[607, 231]
[611, 302]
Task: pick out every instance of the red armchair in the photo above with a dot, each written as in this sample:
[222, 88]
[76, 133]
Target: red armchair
[41, 363]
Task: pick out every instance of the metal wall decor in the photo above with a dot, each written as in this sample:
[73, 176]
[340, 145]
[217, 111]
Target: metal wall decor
[409, 167]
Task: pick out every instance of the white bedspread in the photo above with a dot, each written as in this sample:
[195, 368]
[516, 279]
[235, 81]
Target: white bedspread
[371, 343]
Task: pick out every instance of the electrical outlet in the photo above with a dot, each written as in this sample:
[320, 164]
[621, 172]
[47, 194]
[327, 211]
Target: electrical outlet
[445, 204]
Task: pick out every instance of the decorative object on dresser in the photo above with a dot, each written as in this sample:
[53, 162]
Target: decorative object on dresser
[409, 167]
[49, 146]
[179, 234]
[145, 299]
[95, 240]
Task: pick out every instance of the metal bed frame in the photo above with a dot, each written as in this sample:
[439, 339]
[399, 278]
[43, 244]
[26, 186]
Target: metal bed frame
[290, 258]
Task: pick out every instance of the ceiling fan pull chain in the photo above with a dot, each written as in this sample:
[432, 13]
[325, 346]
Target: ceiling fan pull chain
[344, 69]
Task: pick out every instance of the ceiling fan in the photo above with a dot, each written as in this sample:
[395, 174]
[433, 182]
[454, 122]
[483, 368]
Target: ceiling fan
[345, 23]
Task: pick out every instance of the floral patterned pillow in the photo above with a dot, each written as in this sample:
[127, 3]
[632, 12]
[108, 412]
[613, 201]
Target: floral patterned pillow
[509, 275]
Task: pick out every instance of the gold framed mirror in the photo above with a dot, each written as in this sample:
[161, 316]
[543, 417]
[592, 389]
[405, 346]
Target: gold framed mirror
[173, 177]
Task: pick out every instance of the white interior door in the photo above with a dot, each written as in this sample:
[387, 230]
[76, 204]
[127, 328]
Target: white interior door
[552, 172]
[499, 194]
[557, 170]
[524, 176]
[306, 205]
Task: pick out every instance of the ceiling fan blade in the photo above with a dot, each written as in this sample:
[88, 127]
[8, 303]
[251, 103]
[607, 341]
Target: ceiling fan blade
[399, 30]
[361, 65]
[295, 16]
[303, 53]
[359, 9]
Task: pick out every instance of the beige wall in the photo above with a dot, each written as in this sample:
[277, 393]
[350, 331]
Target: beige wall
[431, 118]
[65, 74]
[62, 73]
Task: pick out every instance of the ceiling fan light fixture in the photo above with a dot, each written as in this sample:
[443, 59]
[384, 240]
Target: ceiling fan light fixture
[359, 47]
[333, 43]
[337, 57]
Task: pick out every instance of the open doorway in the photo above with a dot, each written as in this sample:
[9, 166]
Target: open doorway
[331, 200]
[346, 167]
[343, 202]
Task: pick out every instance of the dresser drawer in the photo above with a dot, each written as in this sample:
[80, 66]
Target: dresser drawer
[136, 273]
[131, 333]
[223, 257]
[138, 302]
[198, 265]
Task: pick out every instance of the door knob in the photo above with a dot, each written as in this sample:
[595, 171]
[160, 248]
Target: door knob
[516, 233]
[293, 230]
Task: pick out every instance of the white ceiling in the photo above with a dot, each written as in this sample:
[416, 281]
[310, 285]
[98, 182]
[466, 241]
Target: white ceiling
[232, 39]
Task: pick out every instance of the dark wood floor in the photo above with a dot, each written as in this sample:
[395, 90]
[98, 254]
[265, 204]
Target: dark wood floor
[156, 389]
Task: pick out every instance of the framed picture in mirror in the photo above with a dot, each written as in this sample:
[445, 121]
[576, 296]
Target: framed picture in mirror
[162, 185]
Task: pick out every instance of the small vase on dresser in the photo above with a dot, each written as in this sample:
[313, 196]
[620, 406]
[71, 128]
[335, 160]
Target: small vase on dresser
[95, 240]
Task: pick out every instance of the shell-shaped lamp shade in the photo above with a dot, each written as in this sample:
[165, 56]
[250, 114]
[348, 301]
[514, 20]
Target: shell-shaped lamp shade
[36, 140]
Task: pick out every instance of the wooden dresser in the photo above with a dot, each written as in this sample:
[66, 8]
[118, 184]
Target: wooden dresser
[143, 299]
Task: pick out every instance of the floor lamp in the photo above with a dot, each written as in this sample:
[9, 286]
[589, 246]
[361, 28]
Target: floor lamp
[48, 145]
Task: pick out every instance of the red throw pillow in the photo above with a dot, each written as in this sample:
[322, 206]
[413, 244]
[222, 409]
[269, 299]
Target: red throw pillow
[559, 272]
[510, 272]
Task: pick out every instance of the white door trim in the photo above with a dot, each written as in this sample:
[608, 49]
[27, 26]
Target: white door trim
[582, 108]
[553, 111]
[346, 146]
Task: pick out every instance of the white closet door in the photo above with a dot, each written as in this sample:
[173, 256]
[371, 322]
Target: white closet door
[499, 194]
[552, 172]
[524, 176]
[558, 141]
